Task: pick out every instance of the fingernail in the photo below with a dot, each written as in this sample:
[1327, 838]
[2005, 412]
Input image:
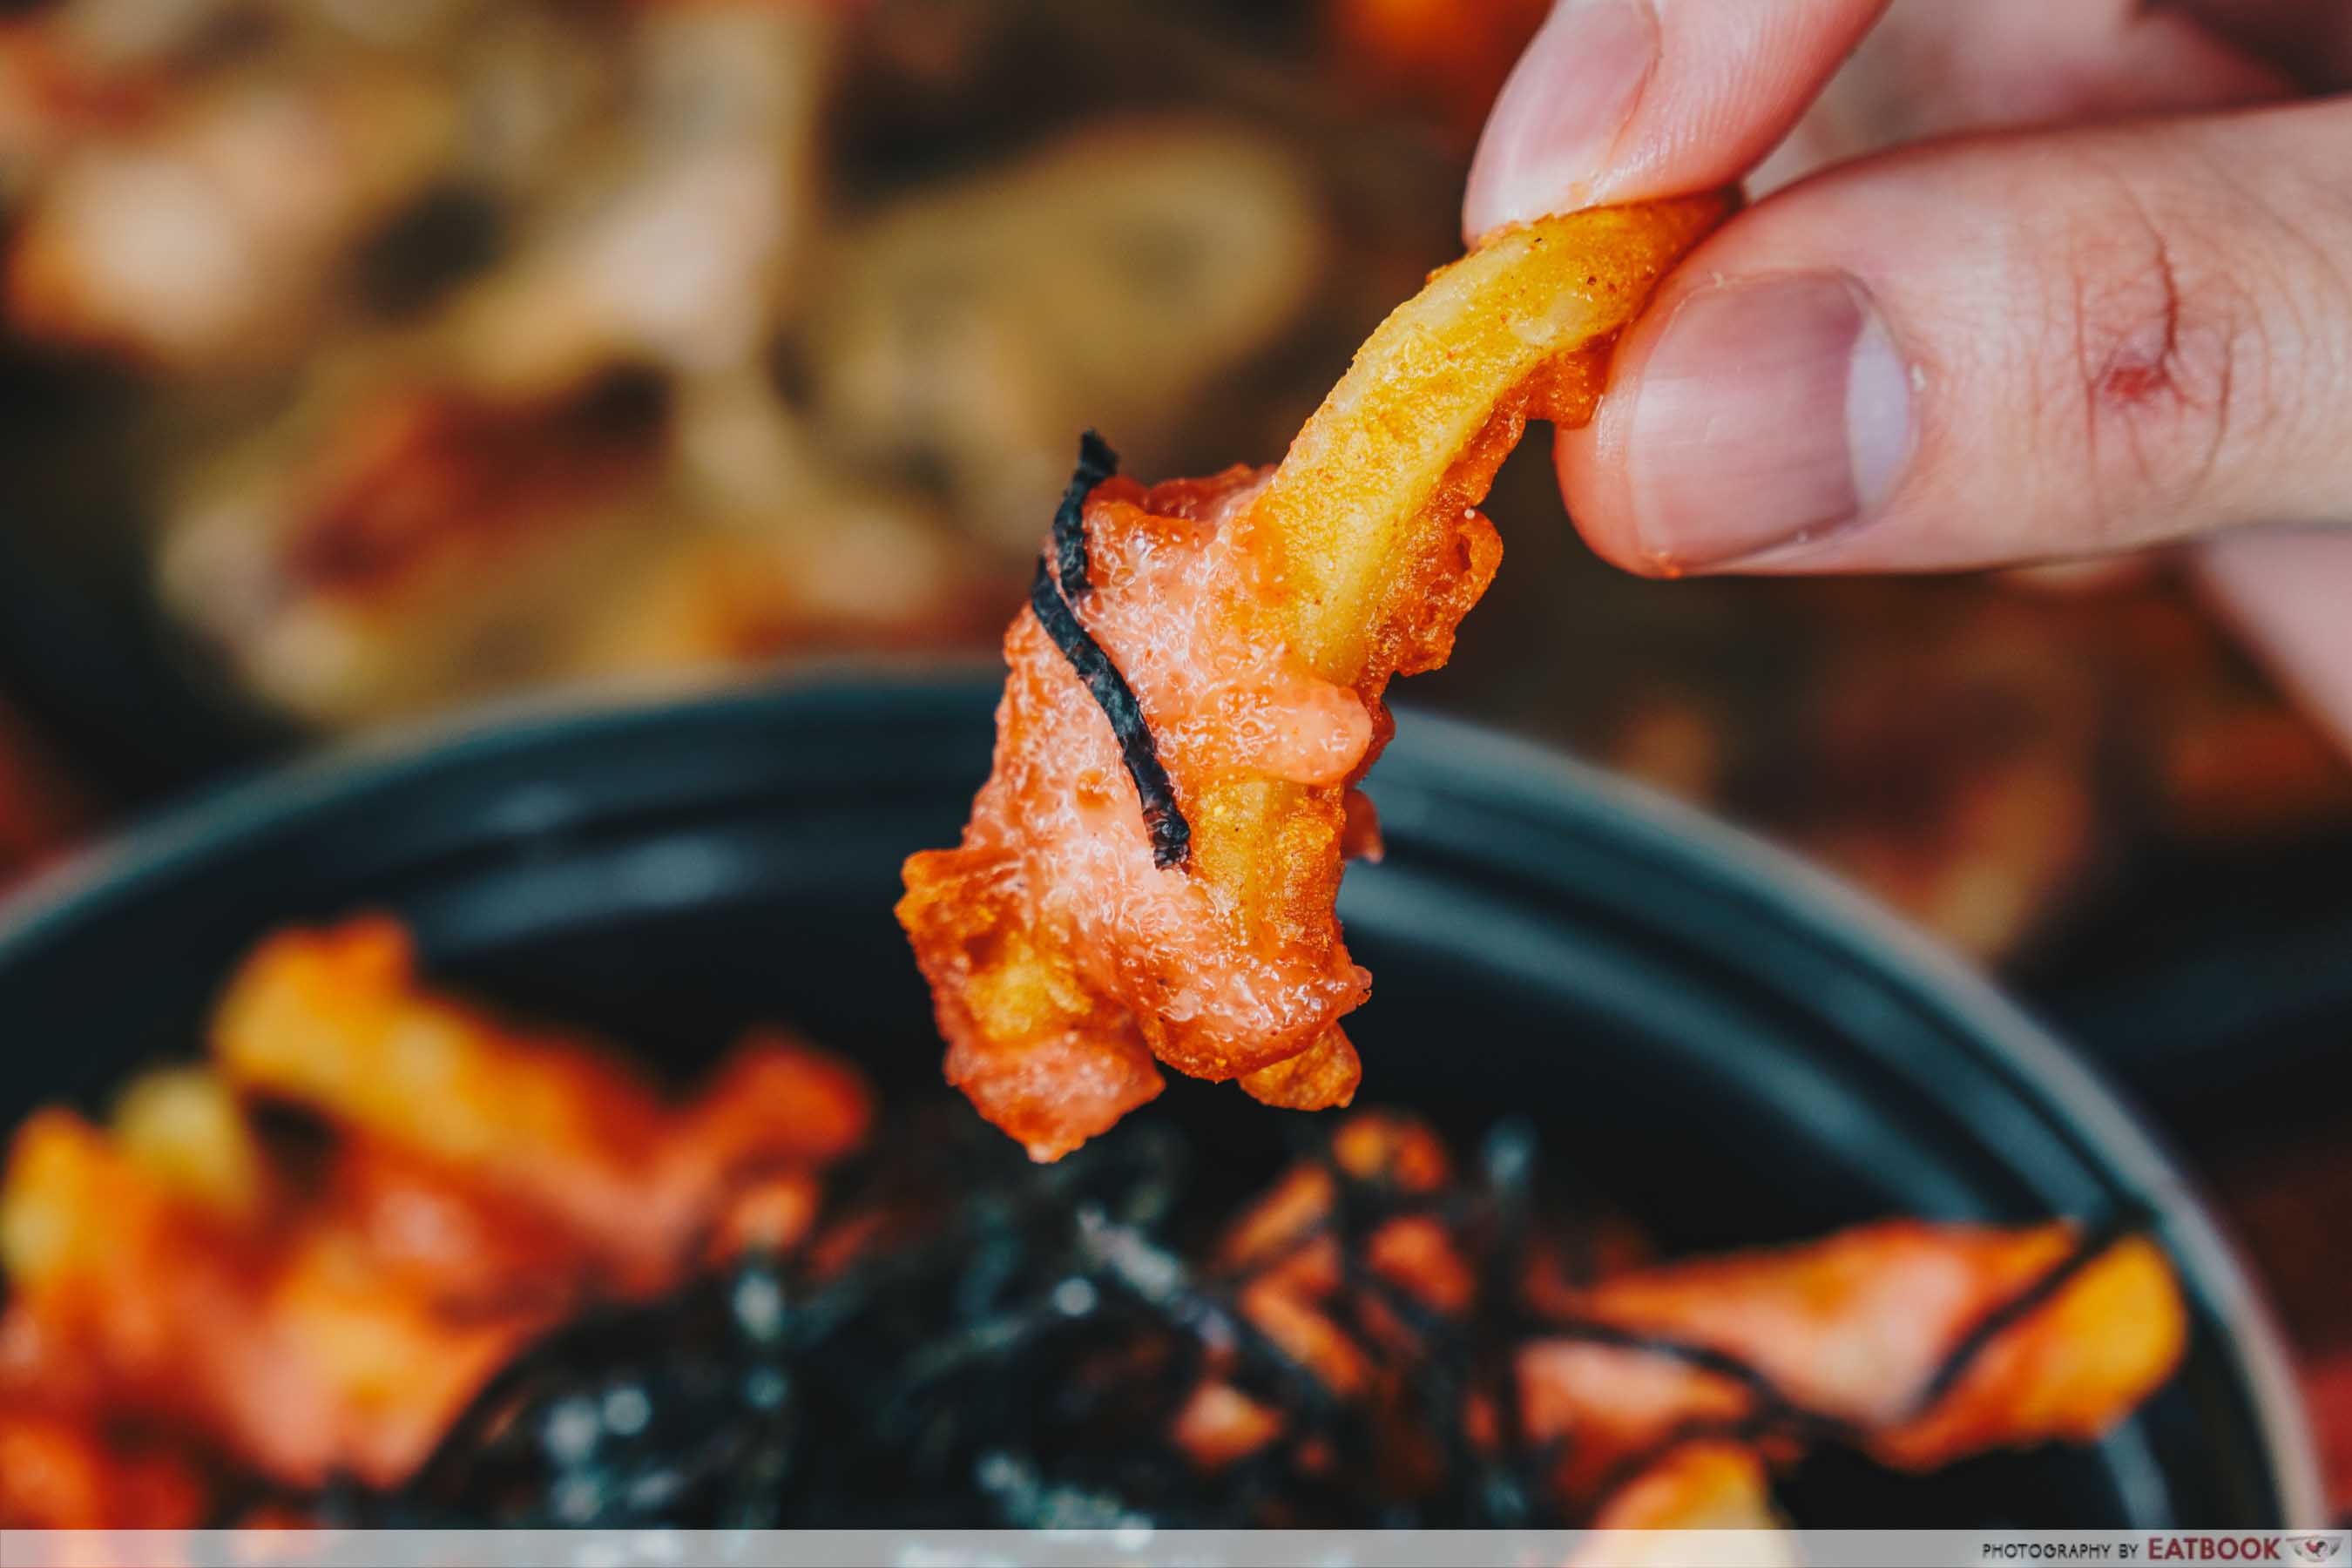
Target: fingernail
[1772, 414]
[1560, 116]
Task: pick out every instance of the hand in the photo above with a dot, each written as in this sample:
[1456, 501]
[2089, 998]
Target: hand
[2107, 307]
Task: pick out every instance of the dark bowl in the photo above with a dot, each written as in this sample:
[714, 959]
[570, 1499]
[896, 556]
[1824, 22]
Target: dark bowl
[1725, 1044]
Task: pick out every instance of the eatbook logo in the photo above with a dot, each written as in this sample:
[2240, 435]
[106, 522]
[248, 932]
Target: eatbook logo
[2318, 1548]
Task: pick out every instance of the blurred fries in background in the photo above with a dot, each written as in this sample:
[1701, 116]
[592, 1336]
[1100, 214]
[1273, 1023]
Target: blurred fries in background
[311, 1252]
[319, 1265]
[467, 346]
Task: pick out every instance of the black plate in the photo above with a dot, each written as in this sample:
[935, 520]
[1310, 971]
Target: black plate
[1729, 1046]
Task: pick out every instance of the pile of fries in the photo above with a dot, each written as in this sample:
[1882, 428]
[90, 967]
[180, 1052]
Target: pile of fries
[381, 1235]
[303, 1258]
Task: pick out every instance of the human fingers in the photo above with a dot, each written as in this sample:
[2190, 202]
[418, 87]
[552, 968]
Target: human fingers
[1621, 100]
[1997, 351]
[1933, 69]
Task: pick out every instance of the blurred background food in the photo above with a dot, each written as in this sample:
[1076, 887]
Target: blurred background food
[37, 810]
[362, 358]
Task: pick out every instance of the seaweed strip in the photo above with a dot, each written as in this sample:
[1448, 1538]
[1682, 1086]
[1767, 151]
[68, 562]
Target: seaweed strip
[767, 1396]
[1785, 1410]
[2095, 1243]
[1097, 462]
[1172, 835]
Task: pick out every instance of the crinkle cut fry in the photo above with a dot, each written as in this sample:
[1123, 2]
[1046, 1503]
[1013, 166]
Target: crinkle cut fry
[1352, 563]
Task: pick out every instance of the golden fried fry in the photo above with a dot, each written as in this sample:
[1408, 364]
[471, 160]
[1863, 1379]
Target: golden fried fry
[775, 1102]
[1307, 1335]
[1708, 1485]
[347, 1372]
[1255, 620]
[1400, 1153]
[61, 1473]
[185, 1127]
[337, 1019]
[333, 1316]
[1861, 1332]
[1661, 1392]
[1220, 1425]
[383, 544]
[1294, 1209]
[773, 1213]
[302, 1354]
[1700, 1486]
[2101, 1345]
[1190, 243]
[1418, 1255]
[206, 238]
[432, 1232]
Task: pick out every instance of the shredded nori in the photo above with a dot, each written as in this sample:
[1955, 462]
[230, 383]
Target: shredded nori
[1172, 835]
[1097, 462]
[1777, 1411]
[1010, 1351]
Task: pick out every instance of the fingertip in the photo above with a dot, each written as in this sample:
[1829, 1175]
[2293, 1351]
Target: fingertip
[1593, 487]
[1623, 100]
[1554, 129]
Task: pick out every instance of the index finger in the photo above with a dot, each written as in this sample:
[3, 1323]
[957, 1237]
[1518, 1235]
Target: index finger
[1624, 100]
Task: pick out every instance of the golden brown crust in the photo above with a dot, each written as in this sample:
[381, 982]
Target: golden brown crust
[1257, 620]
[1857, 1333]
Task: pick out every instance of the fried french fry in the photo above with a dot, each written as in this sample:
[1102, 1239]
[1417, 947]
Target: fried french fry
[339, 1020]
[301, 1354]
[1216, 651]
[58, 1472]
[1715, 1485]
[1921, 1343]
[184, 1126]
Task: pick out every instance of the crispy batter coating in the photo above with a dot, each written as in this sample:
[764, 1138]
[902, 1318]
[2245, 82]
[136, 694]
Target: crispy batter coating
[1258, 618]
[1659, 1393]
[337, 1020]
[1703, 1485]
[1220, 1425]
[308, 1313]
[297, 1357]
[1850, 1333]
[61, 1472]
[206, 236]
[186, 1294]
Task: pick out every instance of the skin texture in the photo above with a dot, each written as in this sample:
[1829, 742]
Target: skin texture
[2102, 241]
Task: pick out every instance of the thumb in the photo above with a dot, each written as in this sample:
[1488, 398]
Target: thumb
[1996, 351]
[1622, 100]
